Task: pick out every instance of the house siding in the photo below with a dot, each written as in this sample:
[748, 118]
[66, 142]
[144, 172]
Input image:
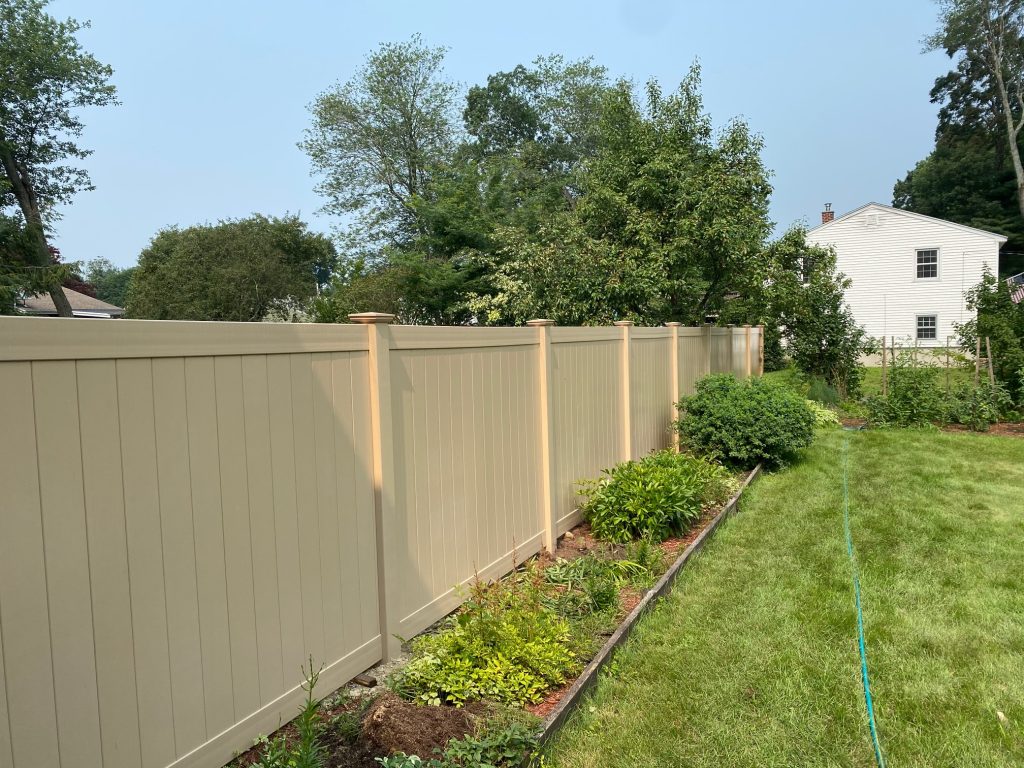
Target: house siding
[876, 247]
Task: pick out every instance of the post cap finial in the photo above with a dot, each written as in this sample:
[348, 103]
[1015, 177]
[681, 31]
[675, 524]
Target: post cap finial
[673, 324]
[371, 318]
[539, 322]
[623, 323]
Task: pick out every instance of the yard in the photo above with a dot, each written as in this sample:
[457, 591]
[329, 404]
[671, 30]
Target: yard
[753, 661]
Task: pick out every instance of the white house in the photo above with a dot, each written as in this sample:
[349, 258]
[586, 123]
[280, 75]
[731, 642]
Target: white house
[908, 271]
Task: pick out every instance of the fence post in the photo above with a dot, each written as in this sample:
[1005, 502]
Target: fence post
[388, 529]
[549, 497]
[732, 348]
[627, 389]
[747, 364]
[673, 357]
[760, 350]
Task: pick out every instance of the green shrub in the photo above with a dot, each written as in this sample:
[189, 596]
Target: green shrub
[822, 392]
[745, 422]
[913, 398]
[504, 644]
[823, 417]
[660, 496]
[978, 407]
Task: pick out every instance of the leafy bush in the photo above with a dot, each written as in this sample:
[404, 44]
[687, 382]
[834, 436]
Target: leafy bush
[823, 417]
[504, 644]
[978, 407]
[507, 746]
[589, 584]
[744, 422]
[659, 496]
[913, 397]
[1002, 321]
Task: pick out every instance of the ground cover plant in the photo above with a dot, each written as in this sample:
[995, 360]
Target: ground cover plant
[745, 422]
[752, 659]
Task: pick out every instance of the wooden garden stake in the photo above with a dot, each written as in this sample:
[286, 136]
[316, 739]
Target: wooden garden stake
[977, 359]
[988, 356]
[884, 387]
[947, 366]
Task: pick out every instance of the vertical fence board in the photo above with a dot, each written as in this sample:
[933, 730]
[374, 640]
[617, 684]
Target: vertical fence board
[307, 512]
[260, 474]
[145, 560]
[178, 538]
[327, 504]
[211, 578]
[286, 526]
[32, 718]
[55, 389]
[234, 493]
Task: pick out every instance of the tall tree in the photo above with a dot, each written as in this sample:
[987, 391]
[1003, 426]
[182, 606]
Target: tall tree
[668, 221]
[233, 270]
[989, 36]
[45, 79]
[375, 138]
[109, 281]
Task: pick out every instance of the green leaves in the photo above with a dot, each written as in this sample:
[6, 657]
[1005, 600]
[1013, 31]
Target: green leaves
[661, 495]
[745, 422]
[233, 270]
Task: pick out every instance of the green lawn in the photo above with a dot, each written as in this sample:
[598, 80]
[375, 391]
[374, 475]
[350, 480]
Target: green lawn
[752, 660]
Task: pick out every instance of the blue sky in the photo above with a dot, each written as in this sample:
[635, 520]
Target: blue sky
[214, 94]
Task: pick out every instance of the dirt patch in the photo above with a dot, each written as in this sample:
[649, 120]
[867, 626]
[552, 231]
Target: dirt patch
[546, 706]
[854, 423]
[1007, 428]
[393, 724]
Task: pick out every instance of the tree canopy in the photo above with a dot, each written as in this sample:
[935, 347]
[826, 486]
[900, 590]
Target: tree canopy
[233, 270]
[47, 78]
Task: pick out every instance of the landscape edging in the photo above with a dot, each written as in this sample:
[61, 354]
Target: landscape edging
[571, 700]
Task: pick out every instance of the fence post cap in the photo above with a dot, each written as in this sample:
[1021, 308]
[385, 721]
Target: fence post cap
[673, 324]
[747, 325]
[371, 318]
[623, 323]
[539, 322]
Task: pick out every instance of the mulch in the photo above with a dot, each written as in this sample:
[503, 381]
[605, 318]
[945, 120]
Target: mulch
[1007, 428]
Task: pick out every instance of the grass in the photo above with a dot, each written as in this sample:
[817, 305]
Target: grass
[752, 660]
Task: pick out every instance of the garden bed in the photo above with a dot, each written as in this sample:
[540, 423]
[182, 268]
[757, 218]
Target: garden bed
[358, 725]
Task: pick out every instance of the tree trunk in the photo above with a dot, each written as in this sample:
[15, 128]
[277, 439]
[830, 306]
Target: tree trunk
[21, 187]
[1011, 127]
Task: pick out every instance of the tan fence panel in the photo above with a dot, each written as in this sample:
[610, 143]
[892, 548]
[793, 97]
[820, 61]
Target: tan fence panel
[587, 410]
[467, 445]
[177, 536]
[192, 510]
[694, 357]
[651, 397]
[721, 350]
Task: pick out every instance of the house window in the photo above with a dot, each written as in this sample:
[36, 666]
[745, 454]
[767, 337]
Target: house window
[927, 264]
[806, 268]
[927, 327]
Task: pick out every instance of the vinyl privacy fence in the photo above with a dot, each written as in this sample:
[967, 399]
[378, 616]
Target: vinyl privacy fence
[190, 511]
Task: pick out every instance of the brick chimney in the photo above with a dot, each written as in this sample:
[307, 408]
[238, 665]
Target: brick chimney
[828, 214]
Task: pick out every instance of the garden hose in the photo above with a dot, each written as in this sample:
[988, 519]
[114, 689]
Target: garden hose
[879, 758]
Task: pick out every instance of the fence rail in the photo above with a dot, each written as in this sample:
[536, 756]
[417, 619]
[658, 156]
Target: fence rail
[189, 511]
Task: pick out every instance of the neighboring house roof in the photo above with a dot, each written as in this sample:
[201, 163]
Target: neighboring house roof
[910, 214]
[81, 305]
